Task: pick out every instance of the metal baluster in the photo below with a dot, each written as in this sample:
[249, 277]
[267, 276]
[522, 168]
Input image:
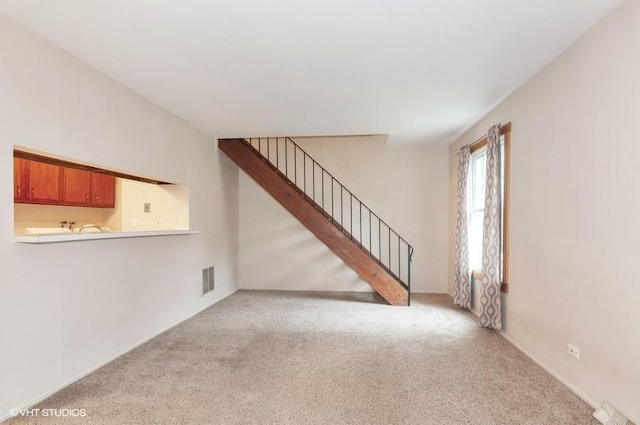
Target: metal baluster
[399, 268]
[341, 212]
[332, 179]
[322, 176]
[360, 220]
[370, 249]
[313, 178]
[379, 240]
[351, 215]
[409, 276]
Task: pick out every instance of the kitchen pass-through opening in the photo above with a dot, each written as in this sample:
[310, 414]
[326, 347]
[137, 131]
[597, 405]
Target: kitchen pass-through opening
[53, 195]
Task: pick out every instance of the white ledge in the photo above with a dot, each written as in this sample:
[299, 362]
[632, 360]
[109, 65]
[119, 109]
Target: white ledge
[75, 237]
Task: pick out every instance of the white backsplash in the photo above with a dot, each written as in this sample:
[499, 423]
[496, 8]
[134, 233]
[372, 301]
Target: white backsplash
[32, 215]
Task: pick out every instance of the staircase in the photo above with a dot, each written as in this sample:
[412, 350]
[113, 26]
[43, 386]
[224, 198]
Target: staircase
[378, 254]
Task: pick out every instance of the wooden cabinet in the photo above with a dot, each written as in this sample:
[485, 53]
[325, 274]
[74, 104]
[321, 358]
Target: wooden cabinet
[88, 189]
[103, 190]
[77, 187]
[44, 183]
[20, 189]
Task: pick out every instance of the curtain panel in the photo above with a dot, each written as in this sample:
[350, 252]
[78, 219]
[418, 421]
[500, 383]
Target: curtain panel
[462, 273]
[490, 308]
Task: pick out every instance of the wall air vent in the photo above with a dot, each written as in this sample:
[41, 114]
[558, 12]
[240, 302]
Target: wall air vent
[207, 280]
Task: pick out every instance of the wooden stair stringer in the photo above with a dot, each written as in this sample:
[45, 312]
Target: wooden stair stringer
[338, 242]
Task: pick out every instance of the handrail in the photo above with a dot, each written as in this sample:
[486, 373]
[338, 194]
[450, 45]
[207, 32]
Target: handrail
[286, 163]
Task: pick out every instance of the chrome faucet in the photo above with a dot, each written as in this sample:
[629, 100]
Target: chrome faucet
[69, 223]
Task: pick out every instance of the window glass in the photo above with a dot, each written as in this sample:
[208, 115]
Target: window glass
[477, 172]
[476, 207]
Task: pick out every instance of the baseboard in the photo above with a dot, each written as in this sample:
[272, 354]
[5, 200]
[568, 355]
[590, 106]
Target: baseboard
[533, 358]
[593, 403]
[590, 401]
[550, 371]
[431, 293]
[125, 351]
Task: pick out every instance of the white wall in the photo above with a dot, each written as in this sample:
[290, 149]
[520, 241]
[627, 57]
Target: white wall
[405, 185]
[68, 308]
[169, 206]
[575, 212]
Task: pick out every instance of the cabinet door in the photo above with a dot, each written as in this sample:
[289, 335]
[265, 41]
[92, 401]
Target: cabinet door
[103, 190]
[20, 185]
[77, 187]
[45, 181]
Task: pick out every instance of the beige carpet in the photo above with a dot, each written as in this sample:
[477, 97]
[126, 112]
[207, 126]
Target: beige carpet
[322, 358]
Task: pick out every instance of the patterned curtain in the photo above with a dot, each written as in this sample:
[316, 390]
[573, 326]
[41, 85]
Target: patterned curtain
[490, 314]
[462, 276]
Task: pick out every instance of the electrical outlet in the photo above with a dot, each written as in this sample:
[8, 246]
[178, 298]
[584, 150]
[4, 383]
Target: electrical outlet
[573, 350]
[147, 207]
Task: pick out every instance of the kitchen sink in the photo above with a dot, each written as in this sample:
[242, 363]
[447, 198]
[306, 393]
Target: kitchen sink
[87, 228]
[91, 228]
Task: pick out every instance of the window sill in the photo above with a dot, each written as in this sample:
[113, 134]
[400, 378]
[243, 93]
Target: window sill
[77, 237]
[477, 275]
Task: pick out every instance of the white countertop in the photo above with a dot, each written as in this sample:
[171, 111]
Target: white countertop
[75, 237]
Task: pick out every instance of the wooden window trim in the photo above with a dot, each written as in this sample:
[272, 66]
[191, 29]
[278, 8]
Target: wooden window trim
[505, 131]
[504, 287]
[481, 143]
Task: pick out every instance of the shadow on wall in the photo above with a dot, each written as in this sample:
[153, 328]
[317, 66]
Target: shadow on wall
[339, 297]
[230, 187]
[305, 263]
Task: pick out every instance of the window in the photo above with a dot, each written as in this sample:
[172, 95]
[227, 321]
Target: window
[476, 207]
[477, 168]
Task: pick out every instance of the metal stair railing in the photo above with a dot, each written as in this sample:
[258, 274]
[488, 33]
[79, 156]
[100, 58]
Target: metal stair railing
[338, 204]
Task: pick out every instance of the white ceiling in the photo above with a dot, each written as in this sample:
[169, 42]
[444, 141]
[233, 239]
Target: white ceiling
[418, 70]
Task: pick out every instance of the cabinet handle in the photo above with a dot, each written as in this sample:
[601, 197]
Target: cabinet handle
[95, 198]
[33, 191]
[18, 191]
[86, 197]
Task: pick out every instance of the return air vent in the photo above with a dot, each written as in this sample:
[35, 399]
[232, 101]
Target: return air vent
[608, 414]
[207, 280]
